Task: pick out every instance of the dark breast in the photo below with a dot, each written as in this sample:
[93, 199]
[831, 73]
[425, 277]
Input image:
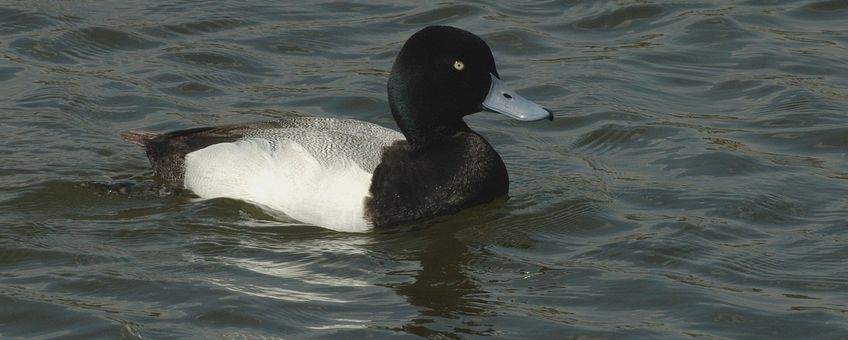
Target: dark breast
[458, 172]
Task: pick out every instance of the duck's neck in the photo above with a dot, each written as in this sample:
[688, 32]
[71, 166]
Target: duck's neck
[422, 129]
[421, 138]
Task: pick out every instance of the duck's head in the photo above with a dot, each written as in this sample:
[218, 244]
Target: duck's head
[443, 74]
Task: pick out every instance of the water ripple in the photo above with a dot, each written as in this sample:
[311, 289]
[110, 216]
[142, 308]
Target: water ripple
[13, 20]
[621, 17]
[442, 14]
[84, 44]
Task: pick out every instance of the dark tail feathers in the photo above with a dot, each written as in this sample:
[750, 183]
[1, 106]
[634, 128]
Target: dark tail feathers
[138, 137]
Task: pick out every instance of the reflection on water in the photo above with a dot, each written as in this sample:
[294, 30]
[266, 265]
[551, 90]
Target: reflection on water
[441, 289]
[692, 185]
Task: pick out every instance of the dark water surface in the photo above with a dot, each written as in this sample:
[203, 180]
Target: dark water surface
[694, 183]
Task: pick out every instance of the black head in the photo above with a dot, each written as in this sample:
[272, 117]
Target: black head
[440, 75]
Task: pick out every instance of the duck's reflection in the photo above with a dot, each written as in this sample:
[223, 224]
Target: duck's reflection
[434, 264]
[441, 287]
[447, 296]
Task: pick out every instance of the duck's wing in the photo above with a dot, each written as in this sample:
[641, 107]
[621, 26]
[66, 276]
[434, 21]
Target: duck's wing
[329, 140]
[333, 141]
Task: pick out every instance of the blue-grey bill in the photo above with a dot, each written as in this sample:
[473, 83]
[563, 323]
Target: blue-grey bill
[505, 101]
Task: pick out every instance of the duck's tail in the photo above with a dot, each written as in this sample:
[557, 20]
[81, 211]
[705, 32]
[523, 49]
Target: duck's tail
[138, 137]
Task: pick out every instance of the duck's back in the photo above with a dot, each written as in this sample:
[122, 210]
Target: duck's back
[328, 139]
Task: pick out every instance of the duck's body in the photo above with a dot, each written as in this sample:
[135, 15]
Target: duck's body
[316, 170]
[350, 175]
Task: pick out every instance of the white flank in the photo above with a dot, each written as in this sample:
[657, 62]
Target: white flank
[283, 176]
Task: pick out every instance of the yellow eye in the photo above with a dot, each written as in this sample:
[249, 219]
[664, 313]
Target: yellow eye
[458, 65]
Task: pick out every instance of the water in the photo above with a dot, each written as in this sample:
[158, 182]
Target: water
[694, 182]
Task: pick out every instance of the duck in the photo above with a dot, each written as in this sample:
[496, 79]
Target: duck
[355, 176]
